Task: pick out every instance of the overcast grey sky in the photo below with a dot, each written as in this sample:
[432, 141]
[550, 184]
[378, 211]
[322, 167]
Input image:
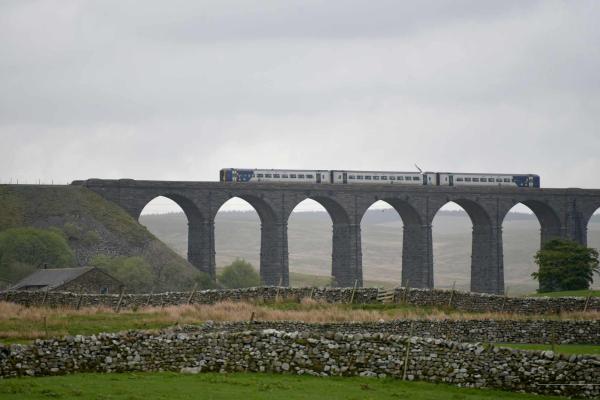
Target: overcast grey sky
[177, 90]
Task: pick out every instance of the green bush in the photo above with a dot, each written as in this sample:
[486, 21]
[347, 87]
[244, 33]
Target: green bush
[138, 276]
[91, 238]
[71, 231]
[203, 280]
[134, 272]
[22, 250]
[565, 265]
[239, 274]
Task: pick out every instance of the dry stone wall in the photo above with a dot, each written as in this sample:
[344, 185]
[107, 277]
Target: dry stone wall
[338, 354]
[486, 331]
[463, 301]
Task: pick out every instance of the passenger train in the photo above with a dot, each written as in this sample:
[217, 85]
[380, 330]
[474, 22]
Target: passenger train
[377, 177]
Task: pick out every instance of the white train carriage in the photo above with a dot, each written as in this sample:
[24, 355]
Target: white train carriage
[478, 179]
[375, 177]
[345, 177]
[273, 175]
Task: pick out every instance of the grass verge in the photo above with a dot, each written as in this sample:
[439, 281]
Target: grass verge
[570, 293]
[560, 348]
[149, 386]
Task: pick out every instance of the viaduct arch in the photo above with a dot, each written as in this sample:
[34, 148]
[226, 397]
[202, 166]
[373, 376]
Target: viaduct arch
[562, 213]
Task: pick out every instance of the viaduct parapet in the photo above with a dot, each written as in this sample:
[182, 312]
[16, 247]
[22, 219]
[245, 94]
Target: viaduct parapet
[562, 213]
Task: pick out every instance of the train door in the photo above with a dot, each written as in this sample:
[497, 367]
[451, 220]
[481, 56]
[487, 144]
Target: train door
[450, 180]
[437, 179]
[318, 176]
[345, 177]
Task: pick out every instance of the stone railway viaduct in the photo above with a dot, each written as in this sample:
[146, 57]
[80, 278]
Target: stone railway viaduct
[562, 213]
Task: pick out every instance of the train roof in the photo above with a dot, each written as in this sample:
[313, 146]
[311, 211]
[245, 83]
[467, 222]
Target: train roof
[380, 172]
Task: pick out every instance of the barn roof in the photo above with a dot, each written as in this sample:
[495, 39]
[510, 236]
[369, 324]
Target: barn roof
[52, 277]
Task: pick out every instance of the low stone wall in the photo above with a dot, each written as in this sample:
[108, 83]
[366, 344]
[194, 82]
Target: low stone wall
[464, 301]
[362, 354]
[481, 302]
[486, 331]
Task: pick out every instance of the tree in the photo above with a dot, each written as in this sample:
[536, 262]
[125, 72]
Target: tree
[565, 265]
[134, 272]
[239, 274]
[22, 250]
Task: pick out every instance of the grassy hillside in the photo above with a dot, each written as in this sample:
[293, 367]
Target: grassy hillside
[92, 225]
[237, 234]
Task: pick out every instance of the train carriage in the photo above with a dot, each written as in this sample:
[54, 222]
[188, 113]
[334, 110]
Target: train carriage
[349, 177]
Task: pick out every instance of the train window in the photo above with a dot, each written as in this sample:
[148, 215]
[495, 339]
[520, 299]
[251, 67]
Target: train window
[300, 176]
[408, 178]
[475, 179]
[351, 177]
[384, 178]
[268, 176]
[368, 177]
[467, 179]
[392, 178]
[375, 178]
[276, 176]
[309, 176]
[359, 176]
[483, 179]
[506, 180]
[292, 175]
[459, 179]
[498, 179]
[259, 175]
[284, 176]
[416, 178]
[400, 178]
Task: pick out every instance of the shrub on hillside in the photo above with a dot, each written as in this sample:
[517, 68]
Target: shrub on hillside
[134, 272]
[138, 276]
[239, 274]
[22, 250]
[565, 265]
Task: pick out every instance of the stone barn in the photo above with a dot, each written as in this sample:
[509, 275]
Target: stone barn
[80, 279]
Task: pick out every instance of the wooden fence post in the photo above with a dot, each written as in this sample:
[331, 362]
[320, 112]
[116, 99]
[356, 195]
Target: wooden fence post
[150, 296]
[410, 333]
[120, 299]
[79, 300]
[406, 290]
[353, 292]
[192, 294]
[451, 295]
[278, 287]
[504, 299]
[587, 301]
[45, 295]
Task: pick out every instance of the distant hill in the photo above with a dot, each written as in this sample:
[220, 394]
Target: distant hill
[92, 225]
[237, 234]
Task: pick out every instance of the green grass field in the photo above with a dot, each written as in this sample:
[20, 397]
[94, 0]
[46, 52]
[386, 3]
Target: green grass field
[572, 293]
[211, 386]
[560, 348]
